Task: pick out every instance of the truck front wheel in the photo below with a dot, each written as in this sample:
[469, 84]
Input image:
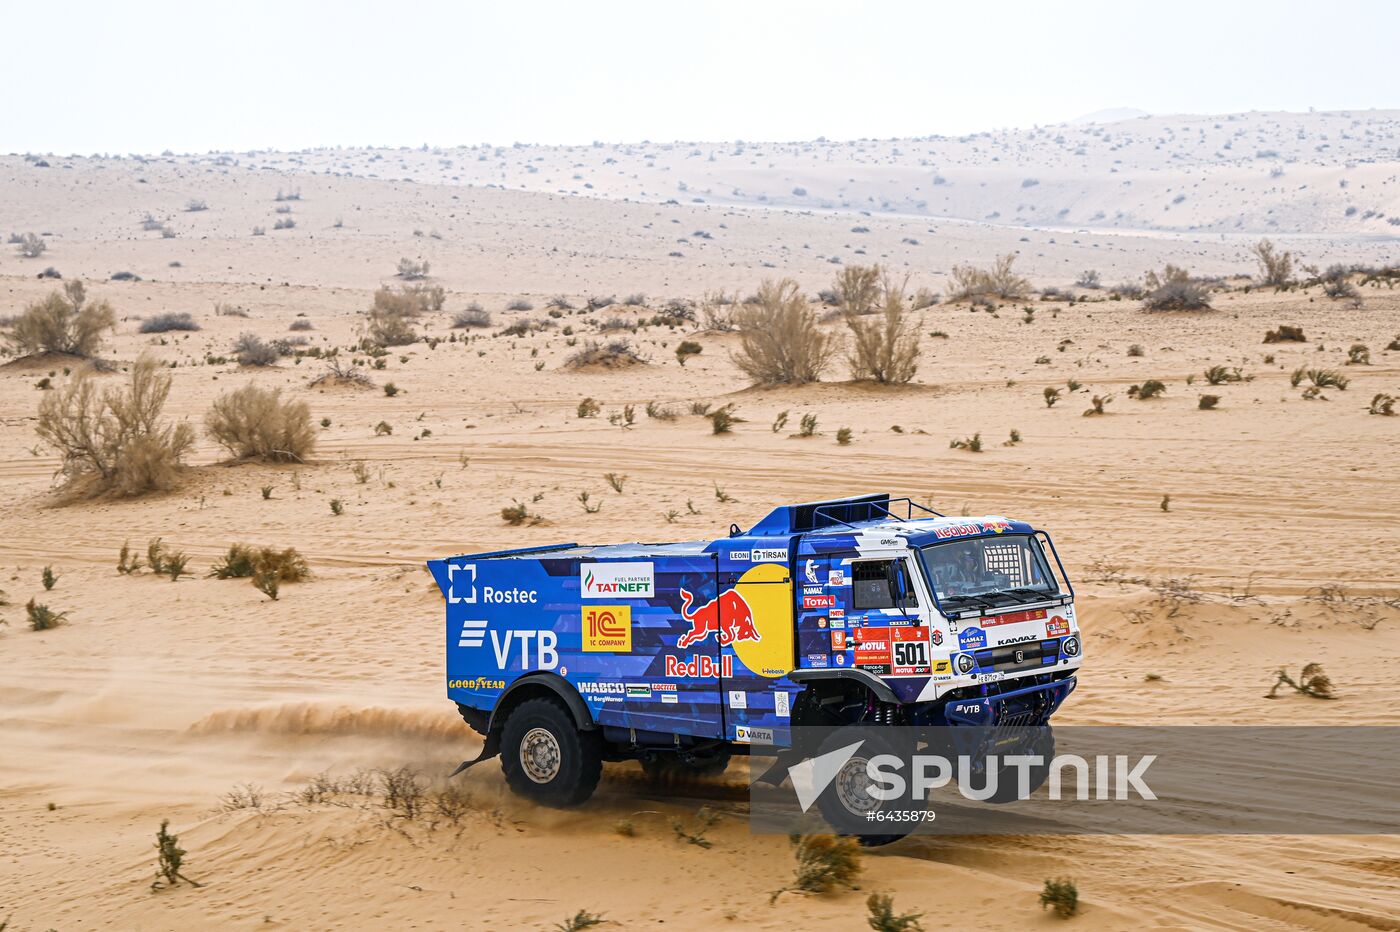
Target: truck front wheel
[546, 758]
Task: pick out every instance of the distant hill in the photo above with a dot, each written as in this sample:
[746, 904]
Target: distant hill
[1111, 115]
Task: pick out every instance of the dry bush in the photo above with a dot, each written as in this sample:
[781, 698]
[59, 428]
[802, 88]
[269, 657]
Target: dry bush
[1060, 895]
[473, 316]
[245, 562]
[612, 355]
[392, 313]
[252, 350]
[30, 246]
[253, 422]
[113, 441]
[823, 863]
[164, 323]
[389, 329]
[779, 339]
[857, 289]
[1175, 290]
[1149, 389]
[886, 349]
[412, 271]
[715, 311]
[64, 322]
[999, 281]
[1275, 268]
[340, 373]
[1285, 334]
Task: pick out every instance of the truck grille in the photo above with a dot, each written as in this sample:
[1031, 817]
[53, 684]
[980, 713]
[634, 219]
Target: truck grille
[1033, 655]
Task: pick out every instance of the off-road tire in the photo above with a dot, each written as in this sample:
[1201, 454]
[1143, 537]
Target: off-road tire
[564, 763]
[848, 821]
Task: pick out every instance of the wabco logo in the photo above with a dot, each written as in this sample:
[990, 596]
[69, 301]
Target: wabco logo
[617, 580]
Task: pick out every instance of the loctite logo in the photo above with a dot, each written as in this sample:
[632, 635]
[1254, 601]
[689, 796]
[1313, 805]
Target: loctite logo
[699, 666]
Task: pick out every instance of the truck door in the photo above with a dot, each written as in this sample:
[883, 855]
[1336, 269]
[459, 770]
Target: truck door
[666, 678]
[757, 646]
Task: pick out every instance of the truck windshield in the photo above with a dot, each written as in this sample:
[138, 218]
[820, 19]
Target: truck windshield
[990, 571]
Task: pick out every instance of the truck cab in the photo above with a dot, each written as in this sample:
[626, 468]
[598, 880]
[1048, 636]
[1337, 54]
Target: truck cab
[856, 611]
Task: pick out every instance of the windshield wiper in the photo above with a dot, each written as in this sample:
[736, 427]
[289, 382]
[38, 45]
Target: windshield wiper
[976, 600]
[1034, 594]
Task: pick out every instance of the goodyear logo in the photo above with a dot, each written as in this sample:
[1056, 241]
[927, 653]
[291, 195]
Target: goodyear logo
[607, 628]
[479, 682]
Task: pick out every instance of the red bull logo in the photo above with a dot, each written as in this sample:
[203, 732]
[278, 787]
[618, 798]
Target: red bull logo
[728, 617]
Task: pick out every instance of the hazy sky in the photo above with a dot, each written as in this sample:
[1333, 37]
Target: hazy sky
[138, 76]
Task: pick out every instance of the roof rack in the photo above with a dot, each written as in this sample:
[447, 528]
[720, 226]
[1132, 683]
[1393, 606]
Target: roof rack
[873, 509]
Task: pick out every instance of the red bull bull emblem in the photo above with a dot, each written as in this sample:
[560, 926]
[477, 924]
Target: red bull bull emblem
[728, 616]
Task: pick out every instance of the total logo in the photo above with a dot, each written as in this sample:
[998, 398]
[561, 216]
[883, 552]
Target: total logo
[465, 575]
[545, 645]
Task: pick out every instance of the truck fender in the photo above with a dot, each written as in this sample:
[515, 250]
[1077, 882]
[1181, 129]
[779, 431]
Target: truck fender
[534, 683]
[879, 687]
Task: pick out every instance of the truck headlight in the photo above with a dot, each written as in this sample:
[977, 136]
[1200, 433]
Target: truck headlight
[1071, 646]
[965, 663]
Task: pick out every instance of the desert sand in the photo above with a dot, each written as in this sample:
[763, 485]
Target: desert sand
[159, 699]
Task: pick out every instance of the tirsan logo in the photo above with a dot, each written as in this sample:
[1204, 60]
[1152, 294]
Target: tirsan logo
[770, 556]
[617, 580]
[607, 628]
[479, 682]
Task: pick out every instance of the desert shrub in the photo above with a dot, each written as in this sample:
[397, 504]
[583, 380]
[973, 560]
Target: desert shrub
[252, 422]
[857, 289]
[1149, 389]
[589, 407]
[1207, 402]
[170, 857]
[114, 441]
[64, 322]
[252, 350]
[686, 349]
[1275, 268]
[1061, 895]
[998, 281]
[43, 618]
[722, 420]
[885, 349]
[1098, 402]
[612, 355]
[1383, 404]
[1328, 378]
[1285, 334]
[1089, 279]
[716, 313]
[1052, 395]
[780, 340]
[1312, 682]
[342, 373]
[473, 316]
[31, 246]
[163, 323]
[1175, 290]
[883, 918]
[520, 304]
[301, 323]
[824, 862]
[807, 427]
[971, 444]
[243, 562]
[194, 205]
[844, 435]
[1219, 375]
[390, 327]
[518, 514]
[1359, 355]
[616, 323]
[1136, 350]
[409, 270]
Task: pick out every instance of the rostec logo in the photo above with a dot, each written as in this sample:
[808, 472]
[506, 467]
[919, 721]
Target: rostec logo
[607, 628]
[617, 581]
[469, 571]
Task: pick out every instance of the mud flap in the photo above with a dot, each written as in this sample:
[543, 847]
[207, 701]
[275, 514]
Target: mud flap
[489, 749]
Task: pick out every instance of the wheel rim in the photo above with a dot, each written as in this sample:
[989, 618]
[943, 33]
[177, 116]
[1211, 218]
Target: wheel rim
[540, 755]
[853, 787]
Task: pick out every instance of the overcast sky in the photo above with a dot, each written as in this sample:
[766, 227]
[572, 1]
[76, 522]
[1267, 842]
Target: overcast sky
[122, 77]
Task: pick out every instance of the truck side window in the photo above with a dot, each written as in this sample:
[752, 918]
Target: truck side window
[870, 584]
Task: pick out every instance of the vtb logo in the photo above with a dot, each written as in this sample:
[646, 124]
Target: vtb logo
[607, 628]
[468, 570]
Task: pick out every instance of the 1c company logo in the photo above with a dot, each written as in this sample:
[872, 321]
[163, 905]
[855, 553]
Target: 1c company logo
[607, 628]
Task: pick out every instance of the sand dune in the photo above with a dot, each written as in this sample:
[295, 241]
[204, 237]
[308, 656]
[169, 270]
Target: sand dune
[158, 699]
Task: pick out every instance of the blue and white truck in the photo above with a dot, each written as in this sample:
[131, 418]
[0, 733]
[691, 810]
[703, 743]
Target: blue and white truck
[855, 611]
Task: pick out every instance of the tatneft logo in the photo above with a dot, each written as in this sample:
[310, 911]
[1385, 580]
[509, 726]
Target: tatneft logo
[617, 580]
[891, 777]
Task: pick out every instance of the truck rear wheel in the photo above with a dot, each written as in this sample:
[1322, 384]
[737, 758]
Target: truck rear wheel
[847, 802]
[546, 758]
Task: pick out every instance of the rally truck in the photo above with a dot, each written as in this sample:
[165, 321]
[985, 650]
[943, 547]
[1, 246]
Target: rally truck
[856, 611]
